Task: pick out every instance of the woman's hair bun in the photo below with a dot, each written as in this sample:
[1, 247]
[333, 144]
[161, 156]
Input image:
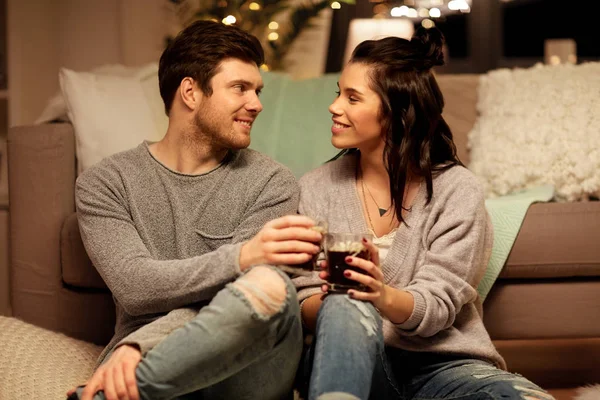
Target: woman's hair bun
[429, 43]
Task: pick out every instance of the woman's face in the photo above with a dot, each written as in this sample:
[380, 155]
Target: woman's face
[356, 111]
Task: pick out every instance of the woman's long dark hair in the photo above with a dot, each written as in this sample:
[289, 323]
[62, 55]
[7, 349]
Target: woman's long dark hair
[417, 139]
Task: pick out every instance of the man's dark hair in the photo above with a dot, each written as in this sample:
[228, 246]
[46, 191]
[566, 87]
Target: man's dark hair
[197, 52]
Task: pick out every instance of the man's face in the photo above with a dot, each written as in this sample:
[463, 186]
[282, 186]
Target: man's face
[226, 117]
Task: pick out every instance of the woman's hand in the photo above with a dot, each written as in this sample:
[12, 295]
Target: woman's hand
[372, 278]
[394, 304]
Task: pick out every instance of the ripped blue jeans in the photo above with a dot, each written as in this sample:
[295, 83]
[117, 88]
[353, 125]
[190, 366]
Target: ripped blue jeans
[229, 350]
[347, 360]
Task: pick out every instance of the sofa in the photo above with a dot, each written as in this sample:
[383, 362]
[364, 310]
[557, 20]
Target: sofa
[542, 312]
[4, 272]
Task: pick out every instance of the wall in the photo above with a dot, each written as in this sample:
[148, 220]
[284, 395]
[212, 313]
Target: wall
[307, 57]
[78, 34]
[81, 34]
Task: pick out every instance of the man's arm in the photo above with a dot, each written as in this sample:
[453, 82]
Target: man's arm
[144, 285]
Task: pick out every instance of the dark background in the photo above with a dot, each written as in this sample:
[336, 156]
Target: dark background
[494, 34]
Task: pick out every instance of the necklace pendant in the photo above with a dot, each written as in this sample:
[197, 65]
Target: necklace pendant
[382, 211]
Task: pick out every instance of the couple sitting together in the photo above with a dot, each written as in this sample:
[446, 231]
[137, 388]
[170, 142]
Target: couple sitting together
[188, 234]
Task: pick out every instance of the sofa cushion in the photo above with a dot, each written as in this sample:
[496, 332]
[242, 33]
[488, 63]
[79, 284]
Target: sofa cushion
[77, 269]
[556, 240]
[543, 309]
[460, 97]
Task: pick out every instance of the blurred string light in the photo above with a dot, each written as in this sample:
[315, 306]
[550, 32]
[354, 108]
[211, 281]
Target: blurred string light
[254, 6]
[404, 11]
[229, 20]
[427, 23]
[380, 9]
[336, 5]
[461, 5]
[421, 9]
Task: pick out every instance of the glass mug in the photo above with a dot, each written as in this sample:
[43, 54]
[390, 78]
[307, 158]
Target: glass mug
[307, 268]
[338, 246]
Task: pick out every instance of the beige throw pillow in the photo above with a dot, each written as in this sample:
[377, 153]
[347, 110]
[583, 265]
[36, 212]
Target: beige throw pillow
[112, 113]
[539, 126]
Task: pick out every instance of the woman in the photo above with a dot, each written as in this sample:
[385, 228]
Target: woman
[416, 332]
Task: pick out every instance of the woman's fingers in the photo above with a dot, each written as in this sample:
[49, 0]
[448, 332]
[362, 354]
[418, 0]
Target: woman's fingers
[369, 267]
[373, 284]
[364, 296]
[373, 251]
[323, 274]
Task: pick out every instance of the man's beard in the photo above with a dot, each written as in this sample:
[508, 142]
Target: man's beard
[213, 132]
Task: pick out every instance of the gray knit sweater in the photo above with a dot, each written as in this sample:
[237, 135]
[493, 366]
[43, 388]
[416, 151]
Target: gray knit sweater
[162, 240]
[438, 256]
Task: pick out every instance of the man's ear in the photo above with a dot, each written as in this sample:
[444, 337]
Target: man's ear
[190, 93]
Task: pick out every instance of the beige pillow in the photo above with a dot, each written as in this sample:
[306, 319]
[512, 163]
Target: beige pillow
[112, 113]
[539, 126]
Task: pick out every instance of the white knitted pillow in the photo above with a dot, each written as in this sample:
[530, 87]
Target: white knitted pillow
[539, 126]
[36, 363]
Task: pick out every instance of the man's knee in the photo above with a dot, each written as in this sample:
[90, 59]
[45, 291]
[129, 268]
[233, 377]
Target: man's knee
[266, 290]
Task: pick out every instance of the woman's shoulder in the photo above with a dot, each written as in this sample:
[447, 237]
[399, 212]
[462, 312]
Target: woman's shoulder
[457, 181]
[330, 172]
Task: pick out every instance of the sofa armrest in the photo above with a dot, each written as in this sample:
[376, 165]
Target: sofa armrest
[3, 175]
[41, 173]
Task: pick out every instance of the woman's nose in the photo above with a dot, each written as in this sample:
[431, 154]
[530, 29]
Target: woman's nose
[334, 108]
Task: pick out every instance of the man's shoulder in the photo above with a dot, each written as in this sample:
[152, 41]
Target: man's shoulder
[252, 162]
[114, 165]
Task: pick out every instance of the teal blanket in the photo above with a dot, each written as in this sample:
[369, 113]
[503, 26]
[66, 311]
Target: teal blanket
[507, 214]
[295, 125]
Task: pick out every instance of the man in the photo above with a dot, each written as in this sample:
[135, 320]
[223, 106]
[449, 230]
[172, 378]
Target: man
[179, 230]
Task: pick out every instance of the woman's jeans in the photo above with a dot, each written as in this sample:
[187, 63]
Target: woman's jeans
[348, 360]
[228, 351]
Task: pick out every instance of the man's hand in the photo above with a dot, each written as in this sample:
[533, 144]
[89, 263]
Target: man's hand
[116, 377]
[285, 240]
